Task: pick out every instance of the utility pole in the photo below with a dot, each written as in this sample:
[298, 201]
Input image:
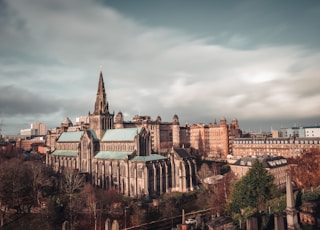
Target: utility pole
[125, 217]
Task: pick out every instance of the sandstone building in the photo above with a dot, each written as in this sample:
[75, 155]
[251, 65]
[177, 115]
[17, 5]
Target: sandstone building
[214, 141]
[275, 165]
[211, 141]
[286, 147]
[124, 155]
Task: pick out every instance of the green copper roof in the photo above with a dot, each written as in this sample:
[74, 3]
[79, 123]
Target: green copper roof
[152, 157]
[70, 136]
[68, 153]
[126, 134]
[112, 155]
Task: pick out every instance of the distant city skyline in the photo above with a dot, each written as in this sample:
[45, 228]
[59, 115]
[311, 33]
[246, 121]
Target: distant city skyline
[257, 61]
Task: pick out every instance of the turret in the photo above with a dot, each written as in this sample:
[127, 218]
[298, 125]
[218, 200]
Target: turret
[223, 122]
[235, 123]
[175, 131]
[66, 123]
[118, 121]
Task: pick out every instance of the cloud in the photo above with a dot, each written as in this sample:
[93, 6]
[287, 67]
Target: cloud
[51, 53]
[19, 101]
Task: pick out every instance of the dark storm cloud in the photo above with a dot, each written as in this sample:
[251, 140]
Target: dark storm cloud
[15, 100]
[239, 24]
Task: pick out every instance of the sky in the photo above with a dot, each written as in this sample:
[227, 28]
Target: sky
[253, 60]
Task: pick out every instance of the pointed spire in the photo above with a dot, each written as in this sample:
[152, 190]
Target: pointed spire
[101, 105]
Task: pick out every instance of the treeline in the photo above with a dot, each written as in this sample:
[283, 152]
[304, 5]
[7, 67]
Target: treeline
[33, 196]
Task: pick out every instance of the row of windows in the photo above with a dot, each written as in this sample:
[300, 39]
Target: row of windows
[277, 142]
[116, 171]
[117, 147]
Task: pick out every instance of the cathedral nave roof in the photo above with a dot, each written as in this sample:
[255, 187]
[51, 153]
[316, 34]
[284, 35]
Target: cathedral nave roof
[127, 134]
[152, 157]
[70, 136]
[67, 153]
[112, 155]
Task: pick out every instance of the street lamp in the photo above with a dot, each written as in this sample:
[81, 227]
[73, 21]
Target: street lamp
[125, 218]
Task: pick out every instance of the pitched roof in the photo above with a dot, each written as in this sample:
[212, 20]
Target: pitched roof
[112, 155]
[70, 136]
[92, 133]
[266, 160]
[152, 157]
[69, 153]
[126, 134]
[182, 152]
[66, 121]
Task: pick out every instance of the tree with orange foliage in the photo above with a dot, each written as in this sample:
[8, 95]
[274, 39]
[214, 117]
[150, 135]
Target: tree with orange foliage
[305, 169]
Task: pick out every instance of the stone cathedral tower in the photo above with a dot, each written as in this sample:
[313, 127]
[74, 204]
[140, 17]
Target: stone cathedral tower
[101, 119]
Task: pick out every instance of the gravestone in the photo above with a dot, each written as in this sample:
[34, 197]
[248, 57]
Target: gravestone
[66, 225]
[107, 224]
[115, 225]
[252, 223]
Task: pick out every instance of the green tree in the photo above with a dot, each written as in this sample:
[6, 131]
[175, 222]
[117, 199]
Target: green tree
[253, 191]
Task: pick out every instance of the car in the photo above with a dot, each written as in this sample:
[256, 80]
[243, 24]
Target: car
[190, 221]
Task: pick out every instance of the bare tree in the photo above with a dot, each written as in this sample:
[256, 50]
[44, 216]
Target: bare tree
[41, 180]
[15, 189]
[73, 182]
[89, 196]
[221, 194]
[215, 169]
[204, 171]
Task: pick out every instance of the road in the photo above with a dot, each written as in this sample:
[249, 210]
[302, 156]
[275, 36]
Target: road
[169, 223]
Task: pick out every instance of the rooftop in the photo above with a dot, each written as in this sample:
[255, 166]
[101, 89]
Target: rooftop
[152, 157]
[112, 155]
[182, 152]
[69, 153]
[268, 161]
[127, 134]
[70, 136]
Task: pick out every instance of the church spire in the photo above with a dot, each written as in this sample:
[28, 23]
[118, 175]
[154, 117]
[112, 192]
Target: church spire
[101, 105]
[101, 120]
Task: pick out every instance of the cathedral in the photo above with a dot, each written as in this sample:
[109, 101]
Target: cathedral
[139, 158]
